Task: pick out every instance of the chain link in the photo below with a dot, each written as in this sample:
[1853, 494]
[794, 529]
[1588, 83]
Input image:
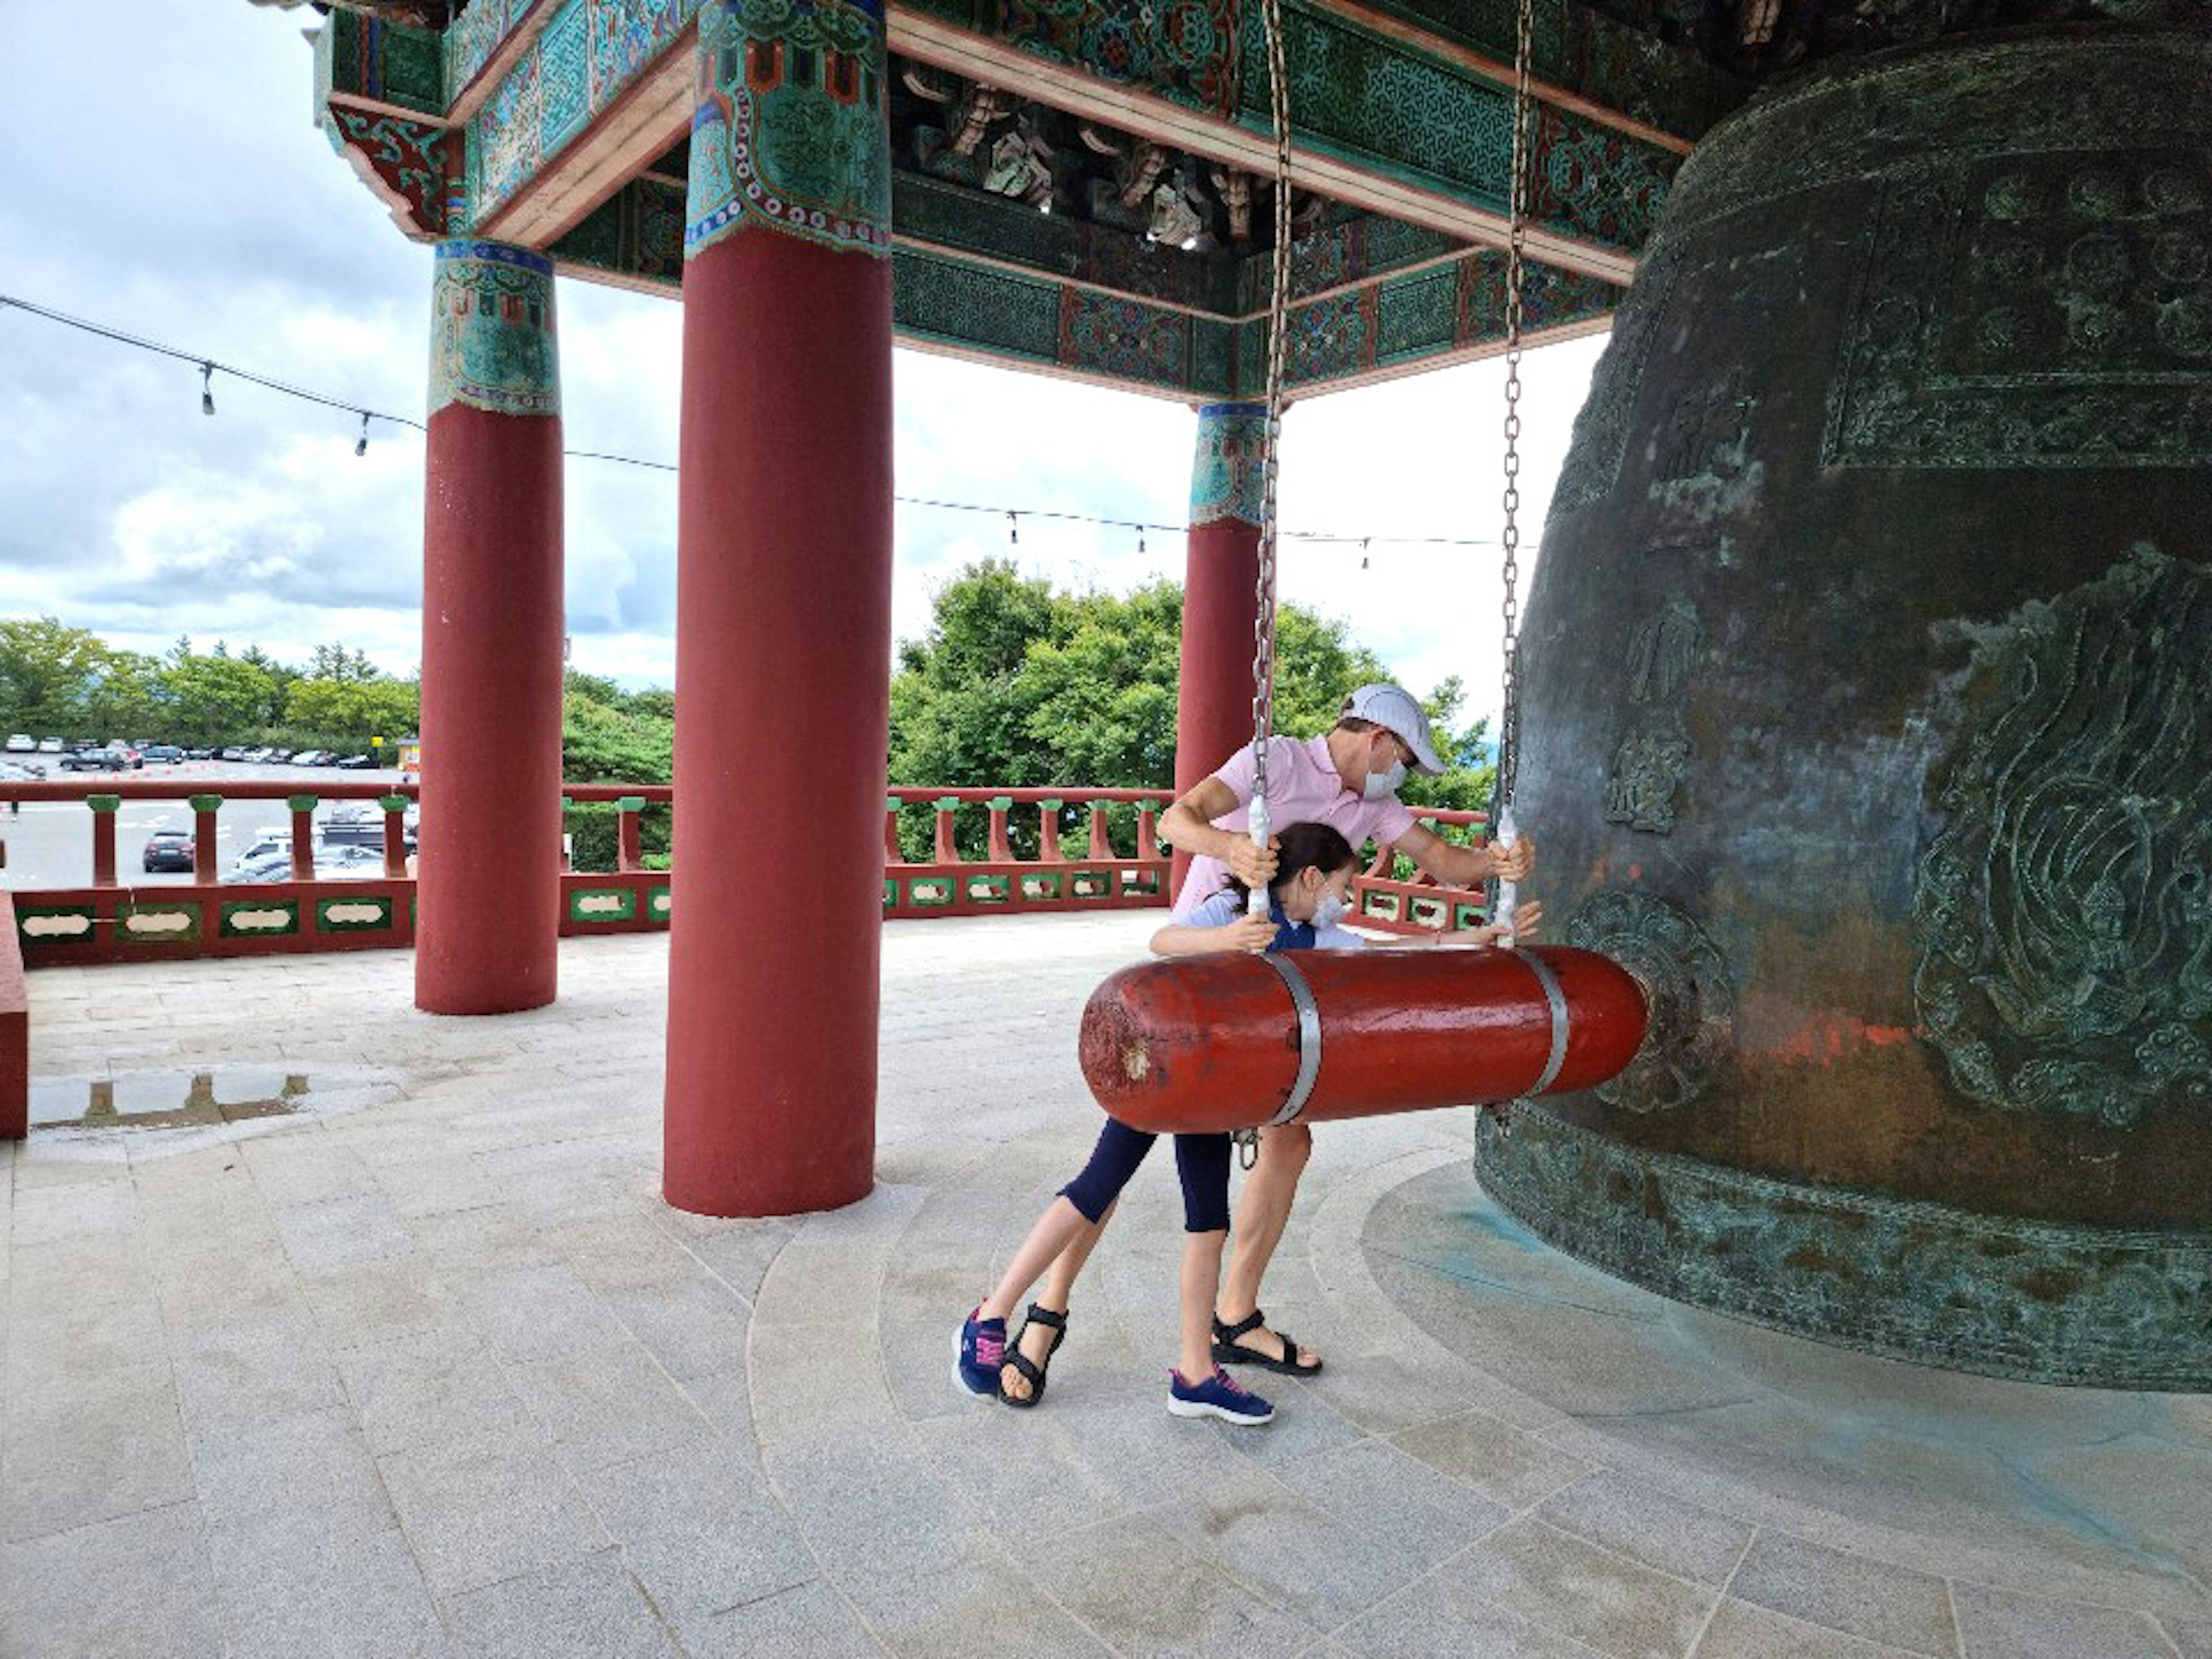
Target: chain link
[1263, 598]
[1509, 732]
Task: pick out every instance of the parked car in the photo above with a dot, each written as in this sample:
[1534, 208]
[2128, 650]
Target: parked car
[50, 745]
[23, 743]
[334, 861]
[199, 754]
[131, 757]
[311, 757]
[22, 772]
[165, 754]
[94, 760]
[280, 754]
[356, 763]
[253, 756]
[169, 849]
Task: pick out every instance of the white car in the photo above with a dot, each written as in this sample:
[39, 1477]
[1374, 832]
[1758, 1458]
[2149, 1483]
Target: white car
[50, 745]
[10, 772]
[23, 743]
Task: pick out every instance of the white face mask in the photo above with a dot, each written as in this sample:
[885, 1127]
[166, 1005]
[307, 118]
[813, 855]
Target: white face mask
[1381, 785]
[1328, 910]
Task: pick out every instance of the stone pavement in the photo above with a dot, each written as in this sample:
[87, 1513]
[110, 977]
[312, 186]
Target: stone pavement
[411, 1359]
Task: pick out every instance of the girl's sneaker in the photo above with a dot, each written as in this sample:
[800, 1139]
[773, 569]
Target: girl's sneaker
[981, 1351]
[1220, 1395]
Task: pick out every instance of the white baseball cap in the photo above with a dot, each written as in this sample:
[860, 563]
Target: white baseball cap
[1394, 709]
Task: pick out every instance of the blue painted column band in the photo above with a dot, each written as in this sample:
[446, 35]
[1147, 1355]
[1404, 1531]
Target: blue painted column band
[492, 345]
[791, 128]
[1226, 478]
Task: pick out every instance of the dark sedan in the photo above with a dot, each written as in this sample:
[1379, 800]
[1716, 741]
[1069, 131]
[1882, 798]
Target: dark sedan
[169, 849]
[94, 760]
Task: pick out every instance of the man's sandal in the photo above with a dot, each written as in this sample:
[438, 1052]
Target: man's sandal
[1028, 1368]
[1228, 1350]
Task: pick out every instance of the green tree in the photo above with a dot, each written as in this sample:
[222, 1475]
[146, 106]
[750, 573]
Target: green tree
[46, 672]
[126, 696]
[216, 697]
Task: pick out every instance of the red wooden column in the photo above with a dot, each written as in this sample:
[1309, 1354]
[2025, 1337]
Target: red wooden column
[1213, 695]
[489, 876]
[783, 613]
[302, 808]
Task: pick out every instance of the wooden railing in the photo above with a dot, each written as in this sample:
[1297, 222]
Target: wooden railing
[113, 919]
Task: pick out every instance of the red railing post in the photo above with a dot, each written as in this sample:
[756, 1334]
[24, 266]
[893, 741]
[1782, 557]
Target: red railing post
[205, 808]
[303, 836]
[947, 852]
[1101, 845]
[1048, 832]
[892, 852]
[1002, 848]
[630, 838]
[103, 808]
[395, 833]
[1148, 837]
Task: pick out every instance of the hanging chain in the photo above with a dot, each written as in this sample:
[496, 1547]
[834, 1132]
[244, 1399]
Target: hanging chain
[1509, 729]
[1263, 598]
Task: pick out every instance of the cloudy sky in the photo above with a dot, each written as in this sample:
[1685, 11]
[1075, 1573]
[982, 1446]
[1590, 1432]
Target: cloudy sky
[164, 178]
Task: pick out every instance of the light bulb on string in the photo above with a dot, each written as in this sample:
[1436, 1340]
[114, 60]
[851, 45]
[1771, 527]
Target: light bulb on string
[207, 388]
[1141, 541]
[1013, 528]
[1363, 552]
[360, 444]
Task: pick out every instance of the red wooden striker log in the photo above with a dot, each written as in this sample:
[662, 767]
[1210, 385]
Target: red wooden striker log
[1233, 1041]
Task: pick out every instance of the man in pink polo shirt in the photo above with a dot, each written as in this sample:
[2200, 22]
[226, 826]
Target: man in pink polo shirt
[1348, 779]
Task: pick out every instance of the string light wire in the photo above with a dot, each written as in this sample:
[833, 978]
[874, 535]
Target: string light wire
[210, 367]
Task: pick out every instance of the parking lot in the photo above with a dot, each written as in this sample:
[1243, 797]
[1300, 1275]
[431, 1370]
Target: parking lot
[49, 843]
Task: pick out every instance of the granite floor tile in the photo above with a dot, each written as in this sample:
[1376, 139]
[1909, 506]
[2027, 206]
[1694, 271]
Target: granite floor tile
[807, 1621]
[378, 1301]
[238, 1376]
[1286, 1552]
[1438, 1618]
[338, 1232]
[1995, 1624]
[110, 1444]
[264, 1475]
[1741, 1631]
[539, 1312]
[354, 1596]
[1632, 1519]
[1874, 1600]
[585, 1608]
[1498, 1460]
[479, 1511]
[1402, 1502]
[605, 1404]
[697, 1528]
[436, 1386]
[864, 1501]
[137, 1586]
[1134, 1585]
[937, 1614]
[1604, 1600]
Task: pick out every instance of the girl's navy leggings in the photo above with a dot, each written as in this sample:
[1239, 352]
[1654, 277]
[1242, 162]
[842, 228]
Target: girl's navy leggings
[1202, 1161]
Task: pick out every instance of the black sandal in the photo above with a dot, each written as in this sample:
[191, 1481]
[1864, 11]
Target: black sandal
[1028, 1367]
[1228, 1350]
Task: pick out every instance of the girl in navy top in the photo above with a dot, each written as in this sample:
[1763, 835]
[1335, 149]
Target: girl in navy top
[1307, 900]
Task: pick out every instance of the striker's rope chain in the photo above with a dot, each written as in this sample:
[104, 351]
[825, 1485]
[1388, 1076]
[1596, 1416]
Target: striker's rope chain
[1508, 732]
[1263, 601]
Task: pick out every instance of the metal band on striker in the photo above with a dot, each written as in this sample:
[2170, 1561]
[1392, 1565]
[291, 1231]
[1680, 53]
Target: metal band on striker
[1301, 999]
[1552, 995]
